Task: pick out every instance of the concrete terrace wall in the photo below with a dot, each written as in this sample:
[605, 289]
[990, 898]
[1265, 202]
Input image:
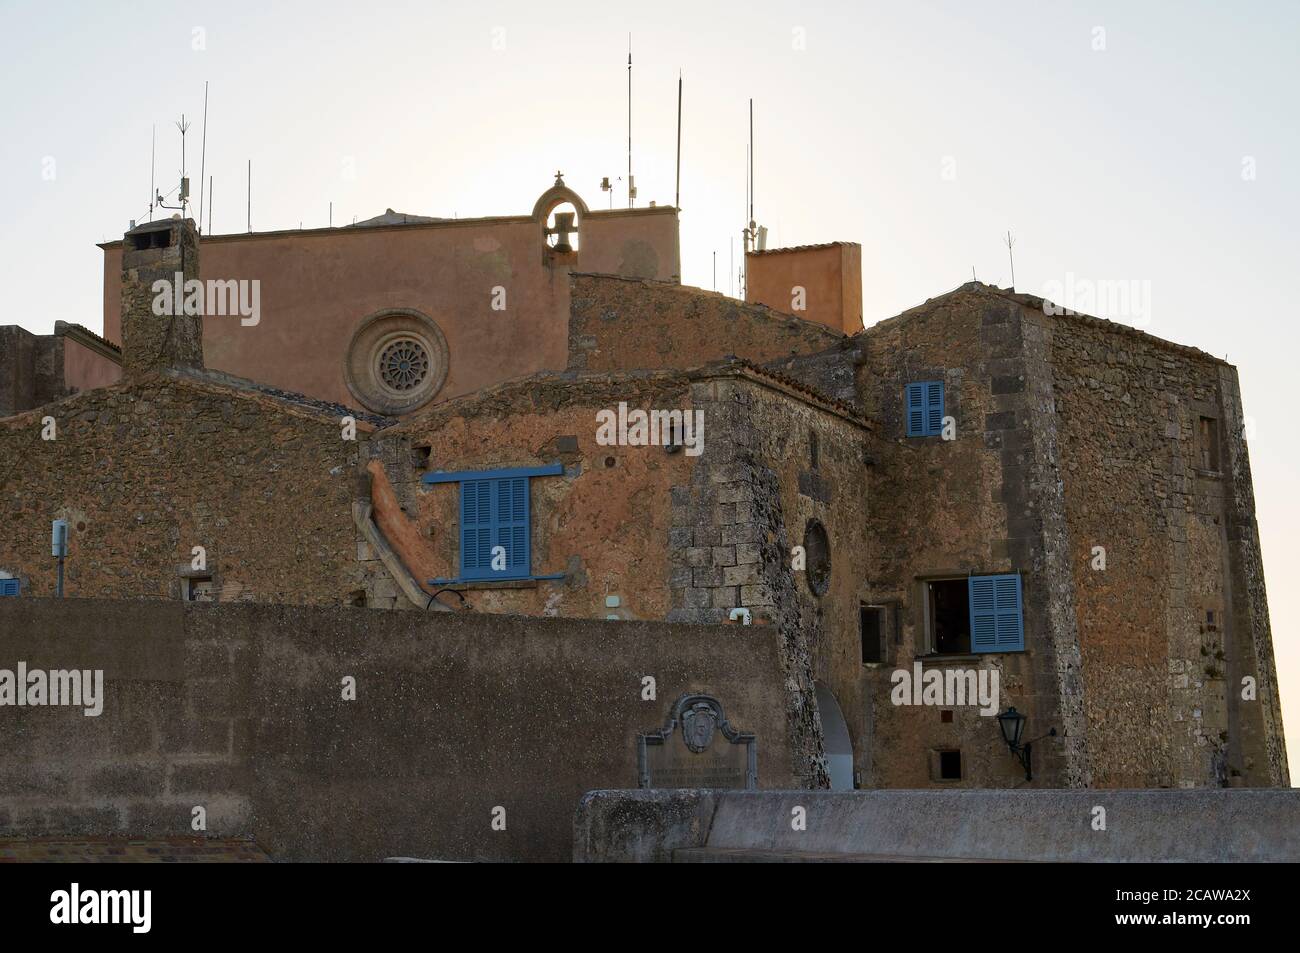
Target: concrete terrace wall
[238, 708]
[1141, 826]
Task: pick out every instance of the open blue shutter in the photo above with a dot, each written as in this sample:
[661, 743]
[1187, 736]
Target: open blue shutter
[9, 587]
[510, 529]
[916, 410]
[996, 616]
[475, 529]
[933, 408]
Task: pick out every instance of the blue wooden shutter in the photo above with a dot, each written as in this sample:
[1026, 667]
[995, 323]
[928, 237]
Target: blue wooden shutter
[933, 408]
[916, 410]
[9, 587]
[510, 529]
[996, 616]
[475, 529]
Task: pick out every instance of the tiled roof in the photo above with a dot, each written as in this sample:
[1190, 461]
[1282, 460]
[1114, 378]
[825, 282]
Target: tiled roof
[80, 330]
[296, 401]
[790, 248]
[801, 387]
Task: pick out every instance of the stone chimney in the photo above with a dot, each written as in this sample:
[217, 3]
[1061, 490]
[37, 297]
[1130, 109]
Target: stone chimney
[159, 328]
[826, 280]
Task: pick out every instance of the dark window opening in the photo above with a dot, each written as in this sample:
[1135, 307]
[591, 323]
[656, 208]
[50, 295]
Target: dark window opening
[420, 457]
[945, 717]
[198, 589]
[1207, 442]
[817, 555]
[813, 455]
[949, 765]
[949, 616]
[358, 599]
[871, 628]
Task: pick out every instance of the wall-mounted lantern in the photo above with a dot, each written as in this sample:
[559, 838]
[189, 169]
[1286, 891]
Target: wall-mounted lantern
[1012, 724]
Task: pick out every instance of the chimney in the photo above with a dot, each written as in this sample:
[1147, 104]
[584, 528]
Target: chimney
[821, 283]
[159, 329]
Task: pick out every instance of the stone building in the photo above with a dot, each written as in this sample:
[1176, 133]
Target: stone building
[977, 487]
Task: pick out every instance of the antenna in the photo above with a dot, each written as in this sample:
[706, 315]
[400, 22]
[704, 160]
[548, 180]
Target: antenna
[751, 163]
[250, 195]
[184, 188]
[153, 155]
[203, 157]
[331, 214]
[1010, 242]
[209, 231]
[715, 270]
[631, 186]
[677, 202]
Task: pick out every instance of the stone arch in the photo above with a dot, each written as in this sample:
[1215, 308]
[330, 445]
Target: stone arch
[558, 194]
[835, 736]
[551, 200]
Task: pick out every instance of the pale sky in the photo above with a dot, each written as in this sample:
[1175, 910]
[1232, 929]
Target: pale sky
[1118, 141]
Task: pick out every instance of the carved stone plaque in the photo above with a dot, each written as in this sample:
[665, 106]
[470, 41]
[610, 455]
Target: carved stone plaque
[697, 748]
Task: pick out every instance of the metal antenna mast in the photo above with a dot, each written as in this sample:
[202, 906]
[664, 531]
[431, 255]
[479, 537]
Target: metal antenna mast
[153, 155]
[631, 186]
[203, 158]
[677, 202]
[1010, 242]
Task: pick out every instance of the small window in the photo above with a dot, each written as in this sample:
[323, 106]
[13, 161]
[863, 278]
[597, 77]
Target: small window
[949, 765]
[974, 615]
[198, 589]
[1207, 443]
[871, 631]
[813, 455]
[10, 587]
[925, 409]
[948, 604]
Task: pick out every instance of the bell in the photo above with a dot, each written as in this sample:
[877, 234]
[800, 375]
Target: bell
[562, 230]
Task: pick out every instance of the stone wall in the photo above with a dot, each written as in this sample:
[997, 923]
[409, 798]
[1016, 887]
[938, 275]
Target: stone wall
[603, 522]
[980, 503]
[618, 324]
[1178, 616]
[239, 709]
[750, 500]
[146, 470]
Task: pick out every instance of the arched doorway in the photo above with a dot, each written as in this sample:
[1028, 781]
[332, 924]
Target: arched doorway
[835, 734]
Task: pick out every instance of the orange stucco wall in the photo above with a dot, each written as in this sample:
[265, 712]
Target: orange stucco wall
[84, 369]
[831, 276]
[318, 286]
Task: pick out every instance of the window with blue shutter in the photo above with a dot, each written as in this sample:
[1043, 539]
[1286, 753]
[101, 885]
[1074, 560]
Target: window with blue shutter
[494, 513]
[996, 617]
[925, 415]
[9, 587]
